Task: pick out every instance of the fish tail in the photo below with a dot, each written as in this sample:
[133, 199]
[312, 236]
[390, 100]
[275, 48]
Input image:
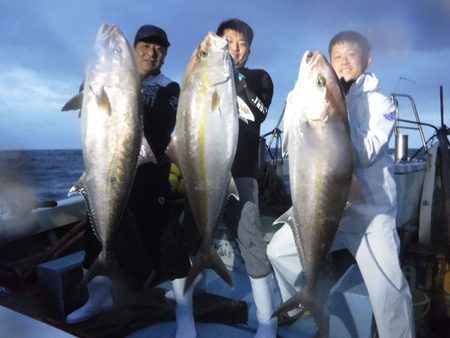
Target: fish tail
[310, 302]
[207, 259]
[220, 268]
[295, 302]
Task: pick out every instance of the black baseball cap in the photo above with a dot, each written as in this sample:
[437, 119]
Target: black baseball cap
[150, 33]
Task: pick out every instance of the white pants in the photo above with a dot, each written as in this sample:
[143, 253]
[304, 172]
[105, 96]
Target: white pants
[376, 254]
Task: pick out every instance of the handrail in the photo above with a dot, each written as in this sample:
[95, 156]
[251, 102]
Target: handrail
[419, 124]
[276, 136]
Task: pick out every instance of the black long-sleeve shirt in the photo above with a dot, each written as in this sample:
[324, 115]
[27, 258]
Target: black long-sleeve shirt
[257, 93]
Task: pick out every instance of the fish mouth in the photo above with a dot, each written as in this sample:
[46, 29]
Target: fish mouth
[313, 59]
[307, 56]
[108, 36]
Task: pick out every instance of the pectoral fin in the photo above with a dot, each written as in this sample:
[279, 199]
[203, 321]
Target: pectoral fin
[103, 101]
[245, 114]
[232, 190]
[215, 101]
[285, 143]
[172, 152]
[146, 154]
[78, 187]
[74, 103]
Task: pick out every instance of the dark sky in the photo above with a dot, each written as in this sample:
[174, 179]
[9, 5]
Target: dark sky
[45, 45]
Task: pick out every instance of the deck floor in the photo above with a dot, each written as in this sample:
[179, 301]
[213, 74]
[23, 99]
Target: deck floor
[302, 328]
[20, 320]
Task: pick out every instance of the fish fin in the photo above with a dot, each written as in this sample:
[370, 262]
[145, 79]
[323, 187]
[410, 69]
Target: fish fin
[285, 142]
[219, 267]
[207, 259]
[215, 101]
[78, 187]
[233, 190]
[172, 151]
[103, 101]
[146, 154]
[245, 113]
[287, 217]
[74, 103]
[104, 265]
[306, 301]
[295, 302]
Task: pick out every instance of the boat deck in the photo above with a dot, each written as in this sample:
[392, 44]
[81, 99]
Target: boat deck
[302, 328]
[34, 320]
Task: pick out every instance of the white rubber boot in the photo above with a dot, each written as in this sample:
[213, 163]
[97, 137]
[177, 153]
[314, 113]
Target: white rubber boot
[100, 300]
[199, 285]
[184, 310]
[264, 295]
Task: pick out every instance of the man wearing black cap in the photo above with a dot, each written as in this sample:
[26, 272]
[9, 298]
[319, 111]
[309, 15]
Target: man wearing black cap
[148, 242]
[151, 199]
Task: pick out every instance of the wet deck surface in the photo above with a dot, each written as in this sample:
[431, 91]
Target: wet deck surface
[34, 320]
[299, 329]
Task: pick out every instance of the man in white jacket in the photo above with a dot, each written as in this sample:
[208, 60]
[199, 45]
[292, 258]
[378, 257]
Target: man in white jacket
[368, 227]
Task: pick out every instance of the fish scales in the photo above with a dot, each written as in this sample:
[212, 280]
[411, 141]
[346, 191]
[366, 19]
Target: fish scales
[111, 135]
[206, 133]
[320, 170]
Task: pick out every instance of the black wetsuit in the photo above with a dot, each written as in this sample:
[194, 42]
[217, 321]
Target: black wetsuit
[149, 240]
[256, 91]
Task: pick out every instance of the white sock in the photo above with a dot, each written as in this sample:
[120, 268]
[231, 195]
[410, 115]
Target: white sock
[184, 310]
[263, 295]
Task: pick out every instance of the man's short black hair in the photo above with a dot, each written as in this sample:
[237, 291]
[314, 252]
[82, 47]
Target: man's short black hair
[236, 25]
[351, 36]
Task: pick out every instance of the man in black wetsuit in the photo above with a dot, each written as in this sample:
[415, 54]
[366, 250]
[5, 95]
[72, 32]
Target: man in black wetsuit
[254, 89]
[149, 241]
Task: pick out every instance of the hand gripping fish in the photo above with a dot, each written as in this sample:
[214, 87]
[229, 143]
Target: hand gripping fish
[320, 171]
[206, 138]
[111, 133]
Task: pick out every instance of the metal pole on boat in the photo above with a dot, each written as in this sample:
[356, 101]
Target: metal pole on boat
[445, 172]
[441, 93]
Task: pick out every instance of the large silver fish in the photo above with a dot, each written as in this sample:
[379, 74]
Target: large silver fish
[320, 171]
[111, 134]
[206, 138]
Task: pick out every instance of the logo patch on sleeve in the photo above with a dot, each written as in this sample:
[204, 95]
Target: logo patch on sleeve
[390, 116]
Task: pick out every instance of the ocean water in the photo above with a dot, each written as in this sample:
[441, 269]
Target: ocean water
[44, 175]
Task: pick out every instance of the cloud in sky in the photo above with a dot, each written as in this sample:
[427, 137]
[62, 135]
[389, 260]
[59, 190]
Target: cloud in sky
[45, 45]
[31, 111]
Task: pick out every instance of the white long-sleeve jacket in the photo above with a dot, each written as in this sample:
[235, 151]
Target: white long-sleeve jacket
[372, 118]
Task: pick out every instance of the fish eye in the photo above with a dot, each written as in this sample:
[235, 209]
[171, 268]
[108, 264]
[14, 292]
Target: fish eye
[117, 50]
[321, 82]
[202, 54]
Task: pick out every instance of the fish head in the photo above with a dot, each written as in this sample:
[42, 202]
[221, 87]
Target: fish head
[211, 63]
[113, 58]
[316, 99]
[320, 92]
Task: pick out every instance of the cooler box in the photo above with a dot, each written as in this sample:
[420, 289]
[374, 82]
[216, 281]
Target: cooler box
[59, 280]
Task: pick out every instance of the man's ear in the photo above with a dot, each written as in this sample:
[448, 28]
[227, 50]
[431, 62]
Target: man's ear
[369, 61]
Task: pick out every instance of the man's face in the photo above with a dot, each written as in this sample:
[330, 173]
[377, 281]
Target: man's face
[149, 57]
[238, 46]
[348, 61]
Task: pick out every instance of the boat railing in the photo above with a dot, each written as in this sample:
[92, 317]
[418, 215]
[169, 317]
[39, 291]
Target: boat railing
[401, 140]
[273, 146]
